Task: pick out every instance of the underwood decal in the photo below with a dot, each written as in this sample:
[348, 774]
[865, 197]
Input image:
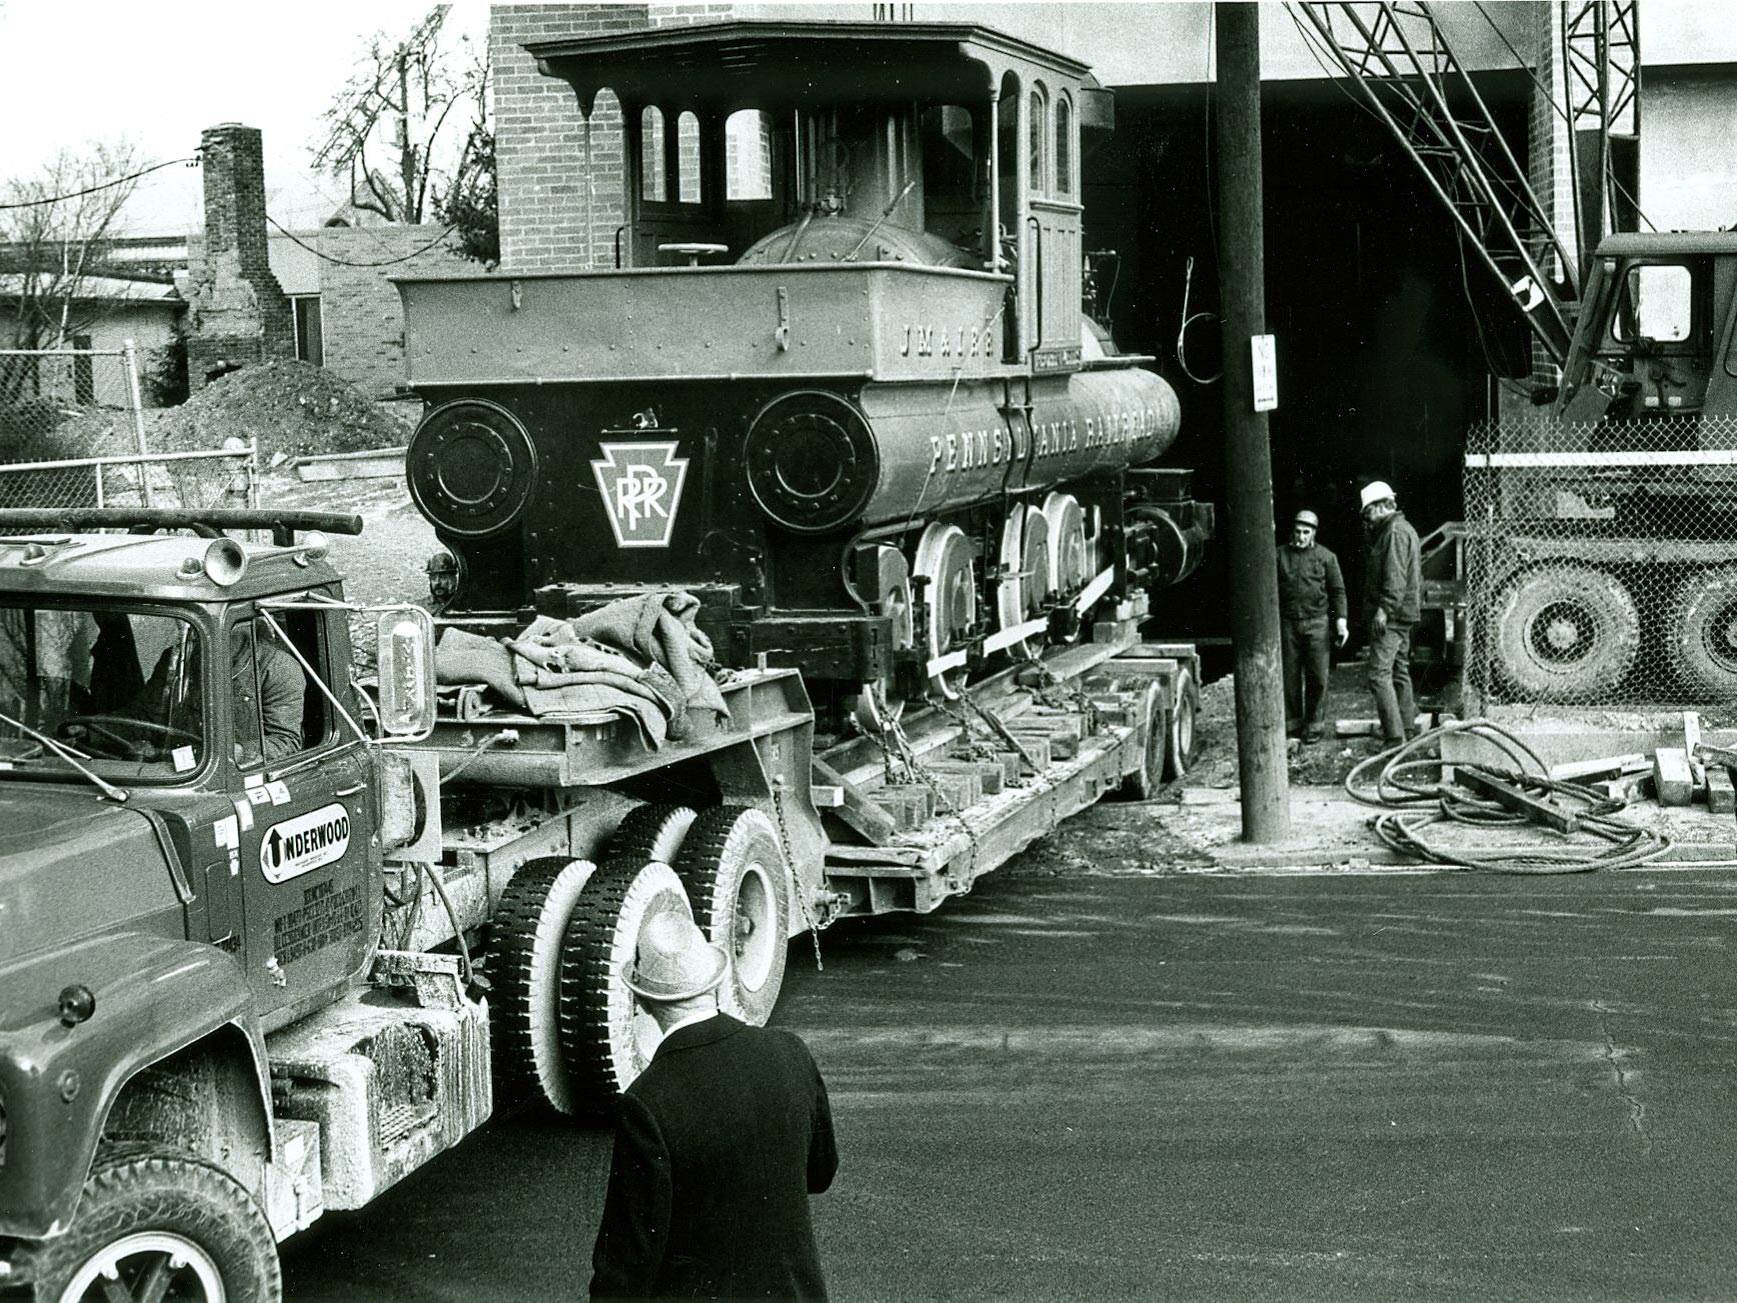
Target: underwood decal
[296, 846]
[641, 484]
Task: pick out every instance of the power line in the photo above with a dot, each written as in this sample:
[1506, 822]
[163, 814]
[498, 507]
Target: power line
[106, 185]
[344, 262]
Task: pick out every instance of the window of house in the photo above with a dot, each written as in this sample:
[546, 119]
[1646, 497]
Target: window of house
[688, 158]
[1039, 134]
[747, 155]
[1064, 152]
[310, 334]
[653, 183]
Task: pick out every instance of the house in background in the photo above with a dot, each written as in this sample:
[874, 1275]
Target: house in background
[106, 312]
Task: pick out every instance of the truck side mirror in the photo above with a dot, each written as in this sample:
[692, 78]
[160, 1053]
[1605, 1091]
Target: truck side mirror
[405, 642]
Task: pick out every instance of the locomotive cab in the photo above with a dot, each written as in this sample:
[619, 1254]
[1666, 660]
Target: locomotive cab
[830, 377]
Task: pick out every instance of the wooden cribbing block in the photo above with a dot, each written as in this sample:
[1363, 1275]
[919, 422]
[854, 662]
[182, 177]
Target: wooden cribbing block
[1628, 787]
[959, 782]
[1060, 723]
[1576, 771]
[1011, 766]
[1721, 794]
[988, 773]
[1672, 776]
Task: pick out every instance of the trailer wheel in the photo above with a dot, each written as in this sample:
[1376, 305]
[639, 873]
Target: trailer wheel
[1182, 741]
[1565, 633]
[652, 832]
[1143, 783]
[526, 939]
[155, 1222]
[735, 876]
[606, 1037]
[1701, 631]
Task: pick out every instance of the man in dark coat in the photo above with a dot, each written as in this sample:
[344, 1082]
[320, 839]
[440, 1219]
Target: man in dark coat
[1392, 600]
[718, 1145]
[1311, 593]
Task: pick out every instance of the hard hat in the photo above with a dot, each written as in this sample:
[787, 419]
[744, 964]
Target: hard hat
[1306, 517]
[674, 960]
[1374, 491]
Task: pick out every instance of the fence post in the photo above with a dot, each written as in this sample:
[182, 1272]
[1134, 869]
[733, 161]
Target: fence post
[130, 360]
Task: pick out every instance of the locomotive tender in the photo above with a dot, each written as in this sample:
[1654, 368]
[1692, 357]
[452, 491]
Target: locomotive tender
[887, 444]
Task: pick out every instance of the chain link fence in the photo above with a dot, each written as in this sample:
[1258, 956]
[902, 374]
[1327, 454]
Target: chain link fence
[1601, 562]
[73, 434]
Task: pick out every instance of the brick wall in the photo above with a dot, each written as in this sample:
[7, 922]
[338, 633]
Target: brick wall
[361, 316]
[540, 135]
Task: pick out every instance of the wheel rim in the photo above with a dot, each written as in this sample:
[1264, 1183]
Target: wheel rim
[1719, 636]
[1184, 729]
[755, 920]
[141, 1259]
[1563, 633]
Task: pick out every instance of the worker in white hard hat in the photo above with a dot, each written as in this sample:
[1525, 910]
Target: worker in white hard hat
[1311, 598]
[718, 1143]
[1392, 594]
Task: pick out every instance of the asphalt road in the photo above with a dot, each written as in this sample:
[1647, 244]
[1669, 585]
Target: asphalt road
[1083, 1083]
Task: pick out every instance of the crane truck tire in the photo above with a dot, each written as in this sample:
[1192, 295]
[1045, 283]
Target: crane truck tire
[1701, 633]
[652, 832]
[1565, 633]
[735, 876]
[1182, 746]
[155, 1222]
[606, 1037]
[528, 930]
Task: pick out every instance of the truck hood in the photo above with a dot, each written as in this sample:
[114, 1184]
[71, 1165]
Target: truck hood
[72, 866]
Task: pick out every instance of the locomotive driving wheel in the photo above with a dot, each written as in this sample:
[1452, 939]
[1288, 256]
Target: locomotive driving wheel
[879, 704]
[1070, 559]
[1024, 580]
[949, 602]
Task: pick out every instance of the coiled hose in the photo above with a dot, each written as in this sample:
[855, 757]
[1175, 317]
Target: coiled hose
[1400, 789]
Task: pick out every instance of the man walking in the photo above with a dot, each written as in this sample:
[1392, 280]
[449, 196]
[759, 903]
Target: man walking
[719, 1143]
[1392, 593]
[1311, 592]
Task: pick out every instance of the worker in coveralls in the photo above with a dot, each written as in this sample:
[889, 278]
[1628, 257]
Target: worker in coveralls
[1311, 594]
[1392, 598]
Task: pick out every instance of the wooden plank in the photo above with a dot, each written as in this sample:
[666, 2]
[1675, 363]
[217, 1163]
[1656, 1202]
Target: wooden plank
[857, 811]
[1721, 793]
[1540, 809]
[1672, 776]
[1575, 771]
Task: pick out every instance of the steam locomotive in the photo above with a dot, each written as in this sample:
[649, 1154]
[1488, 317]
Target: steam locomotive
[887, 443]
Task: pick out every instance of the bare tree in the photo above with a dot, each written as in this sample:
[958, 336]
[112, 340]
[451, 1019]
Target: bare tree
[55, 230]
[388, 130]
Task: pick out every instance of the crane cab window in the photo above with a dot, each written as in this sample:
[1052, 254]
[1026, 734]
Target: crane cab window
[1656, 304]
[688, 159]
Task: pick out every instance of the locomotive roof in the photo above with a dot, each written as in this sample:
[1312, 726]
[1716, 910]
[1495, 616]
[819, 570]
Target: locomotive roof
[746, 63]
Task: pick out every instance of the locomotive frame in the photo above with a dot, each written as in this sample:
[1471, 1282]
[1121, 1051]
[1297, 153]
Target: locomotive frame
[887, 445]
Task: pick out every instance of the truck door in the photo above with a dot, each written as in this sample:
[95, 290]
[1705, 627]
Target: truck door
[299, 773]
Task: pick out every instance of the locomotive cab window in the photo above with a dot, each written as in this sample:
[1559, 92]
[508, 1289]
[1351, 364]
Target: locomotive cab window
[653, 166]
[1039, 128]
[1064, 151]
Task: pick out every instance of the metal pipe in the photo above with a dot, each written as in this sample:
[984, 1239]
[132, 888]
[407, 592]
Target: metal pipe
[64, 521]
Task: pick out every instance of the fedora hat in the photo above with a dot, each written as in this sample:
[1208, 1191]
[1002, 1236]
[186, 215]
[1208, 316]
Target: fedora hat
[675, 961]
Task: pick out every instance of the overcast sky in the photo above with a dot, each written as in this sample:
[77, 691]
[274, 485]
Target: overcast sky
[159, 74]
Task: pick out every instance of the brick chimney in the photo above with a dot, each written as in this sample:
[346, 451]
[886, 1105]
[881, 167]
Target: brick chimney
[240, 314]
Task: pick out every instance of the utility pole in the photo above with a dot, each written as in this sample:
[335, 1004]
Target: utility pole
[1254, 583]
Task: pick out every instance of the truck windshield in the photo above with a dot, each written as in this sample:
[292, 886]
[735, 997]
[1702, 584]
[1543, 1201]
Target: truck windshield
[120, 688]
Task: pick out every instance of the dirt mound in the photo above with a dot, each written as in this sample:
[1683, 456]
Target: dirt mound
[292, 408]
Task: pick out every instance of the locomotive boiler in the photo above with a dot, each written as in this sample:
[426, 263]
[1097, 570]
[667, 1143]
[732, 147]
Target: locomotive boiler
[884, 442]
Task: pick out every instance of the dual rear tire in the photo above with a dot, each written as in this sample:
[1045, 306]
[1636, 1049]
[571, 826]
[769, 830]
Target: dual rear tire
[569, 1033]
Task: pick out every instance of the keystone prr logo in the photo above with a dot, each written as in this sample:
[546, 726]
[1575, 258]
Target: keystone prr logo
[641, 485]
